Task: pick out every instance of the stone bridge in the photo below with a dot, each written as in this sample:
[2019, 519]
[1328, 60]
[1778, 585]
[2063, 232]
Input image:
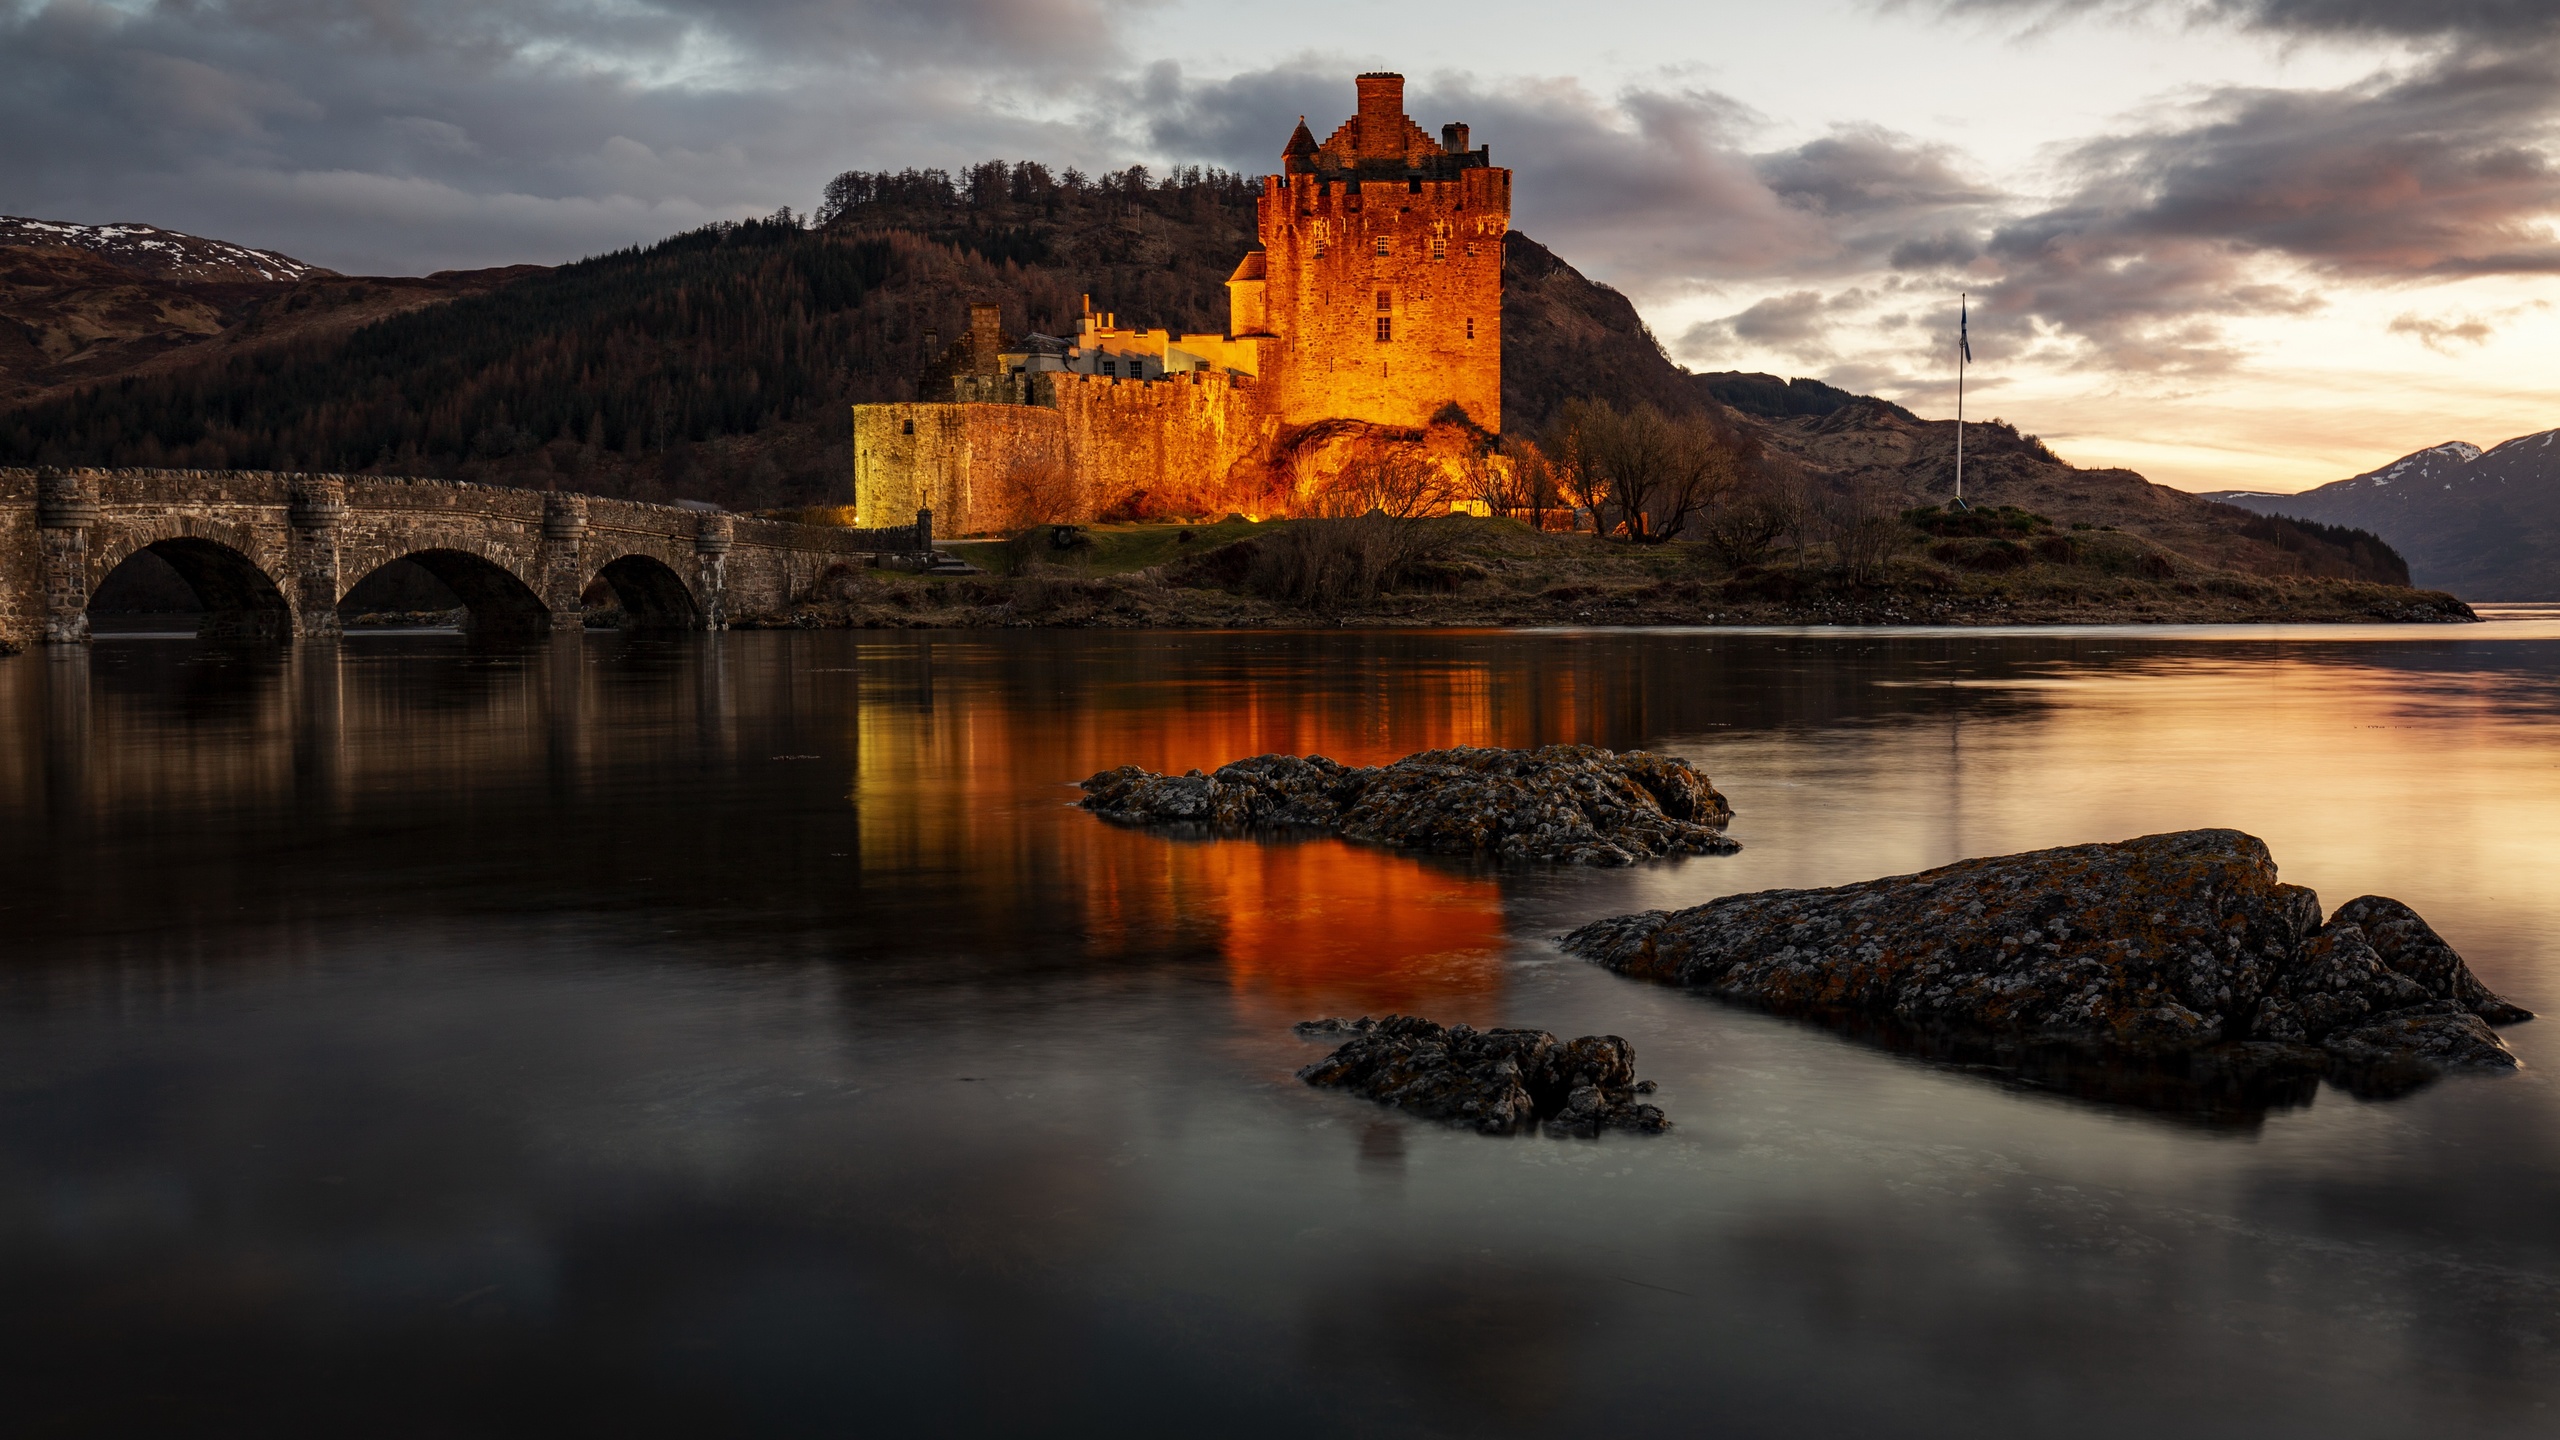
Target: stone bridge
[273, 554]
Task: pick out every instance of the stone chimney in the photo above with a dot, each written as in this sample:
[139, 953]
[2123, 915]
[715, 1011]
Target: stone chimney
[986, 340]
[1382, 119]
[1453, 138]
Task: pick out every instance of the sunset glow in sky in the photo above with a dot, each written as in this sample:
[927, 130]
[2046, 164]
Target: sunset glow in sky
[2229, 243]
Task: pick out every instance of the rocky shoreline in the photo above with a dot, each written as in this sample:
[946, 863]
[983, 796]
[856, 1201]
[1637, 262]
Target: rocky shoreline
[1578, 804]
[1140, 602]
[1496, 1082]
[2173, 944]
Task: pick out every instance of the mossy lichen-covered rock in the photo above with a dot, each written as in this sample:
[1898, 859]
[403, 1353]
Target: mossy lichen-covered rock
[1498, 1082]
[2181, 940]
[1576, 803]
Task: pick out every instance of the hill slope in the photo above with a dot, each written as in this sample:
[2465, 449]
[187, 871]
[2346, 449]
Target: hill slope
[1871, 442]
[81, 304]
[2479, 523]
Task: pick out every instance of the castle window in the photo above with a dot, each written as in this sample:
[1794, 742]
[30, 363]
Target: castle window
[1439, 247]
[1382, 244]
[1386, 328]
[1111, 368]
[1471, 252]
[1471, 327]
[1413, 187]
[1319, 247]
[911, 427]
[1386, 302]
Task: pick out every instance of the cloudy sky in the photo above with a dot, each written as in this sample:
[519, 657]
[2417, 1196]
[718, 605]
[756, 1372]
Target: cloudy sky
[2262, 243]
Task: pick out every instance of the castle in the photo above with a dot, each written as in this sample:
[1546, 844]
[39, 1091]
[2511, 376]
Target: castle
[1369, 316]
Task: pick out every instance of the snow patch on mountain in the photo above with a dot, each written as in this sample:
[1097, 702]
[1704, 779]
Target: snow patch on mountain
[166, 254]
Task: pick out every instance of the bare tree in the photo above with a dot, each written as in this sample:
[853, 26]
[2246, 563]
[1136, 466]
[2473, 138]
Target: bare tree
[1741, 531]
[1650, 473]
[1492, 479]
[1579, 429]
[1798, 502]
[1399, 482]
[1536, 480]
[1864, 519]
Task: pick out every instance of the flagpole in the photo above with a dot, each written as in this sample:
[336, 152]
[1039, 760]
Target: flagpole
[1964, 352]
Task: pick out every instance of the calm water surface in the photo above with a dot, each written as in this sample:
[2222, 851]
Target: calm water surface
[743, 1035]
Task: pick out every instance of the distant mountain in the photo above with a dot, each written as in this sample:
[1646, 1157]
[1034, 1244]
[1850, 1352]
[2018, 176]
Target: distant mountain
[161, 254]
[2482, 524]
[80, 304]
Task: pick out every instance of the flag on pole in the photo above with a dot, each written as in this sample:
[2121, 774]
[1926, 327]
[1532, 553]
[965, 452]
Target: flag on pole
[1964, 323]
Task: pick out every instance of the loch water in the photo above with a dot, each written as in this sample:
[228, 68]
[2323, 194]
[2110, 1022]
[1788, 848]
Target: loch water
[744, 1035]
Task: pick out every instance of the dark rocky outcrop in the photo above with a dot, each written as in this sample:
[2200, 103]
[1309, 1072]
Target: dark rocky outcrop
[2163, 943]
[1499, 1082]
[1576, 803]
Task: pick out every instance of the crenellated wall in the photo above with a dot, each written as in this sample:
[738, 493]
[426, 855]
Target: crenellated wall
[1188, 444]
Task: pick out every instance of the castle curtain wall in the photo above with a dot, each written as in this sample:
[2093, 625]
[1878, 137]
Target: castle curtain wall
[956, 460]
[1192, 444]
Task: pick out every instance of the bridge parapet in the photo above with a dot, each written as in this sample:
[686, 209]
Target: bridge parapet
[273, 553]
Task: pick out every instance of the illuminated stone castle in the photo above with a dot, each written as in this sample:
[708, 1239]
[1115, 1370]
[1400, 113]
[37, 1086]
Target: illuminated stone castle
[1370, 316]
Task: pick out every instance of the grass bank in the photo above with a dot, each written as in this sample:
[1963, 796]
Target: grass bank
[1465, 570]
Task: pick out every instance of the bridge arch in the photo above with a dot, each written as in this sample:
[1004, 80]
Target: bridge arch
[496, 598]
[241, 598]
[654, 594]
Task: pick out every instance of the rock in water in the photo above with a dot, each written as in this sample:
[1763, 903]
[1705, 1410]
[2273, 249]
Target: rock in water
[1576, 803]
[2179, 940]
[1501, 1082]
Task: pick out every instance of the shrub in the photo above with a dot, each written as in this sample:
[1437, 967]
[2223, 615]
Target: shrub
[1439, 575]
[1980, 520]
[1990, 557]
[1223, 568]
[1753, 583]
[1327, 563]
[845, 584]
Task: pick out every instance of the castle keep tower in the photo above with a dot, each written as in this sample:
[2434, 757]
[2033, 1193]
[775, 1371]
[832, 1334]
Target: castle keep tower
[1380, 278]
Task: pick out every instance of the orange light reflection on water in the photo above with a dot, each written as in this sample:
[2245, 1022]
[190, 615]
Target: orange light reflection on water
[1303, 926]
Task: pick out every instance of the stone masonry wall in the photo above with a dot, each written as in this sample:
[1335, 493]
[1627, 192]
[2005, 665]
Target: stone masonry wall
[1440, 273]
[288, 547]
[954, 460]
[1186, 445]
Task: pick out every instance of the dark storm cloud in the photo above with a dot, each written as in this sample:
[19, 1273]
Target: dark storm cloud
[1240, 123]
[1785, 320]
[399, 134]
[2457, 20]
[2441, 173]
[1866, 171]
[1655, 190]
